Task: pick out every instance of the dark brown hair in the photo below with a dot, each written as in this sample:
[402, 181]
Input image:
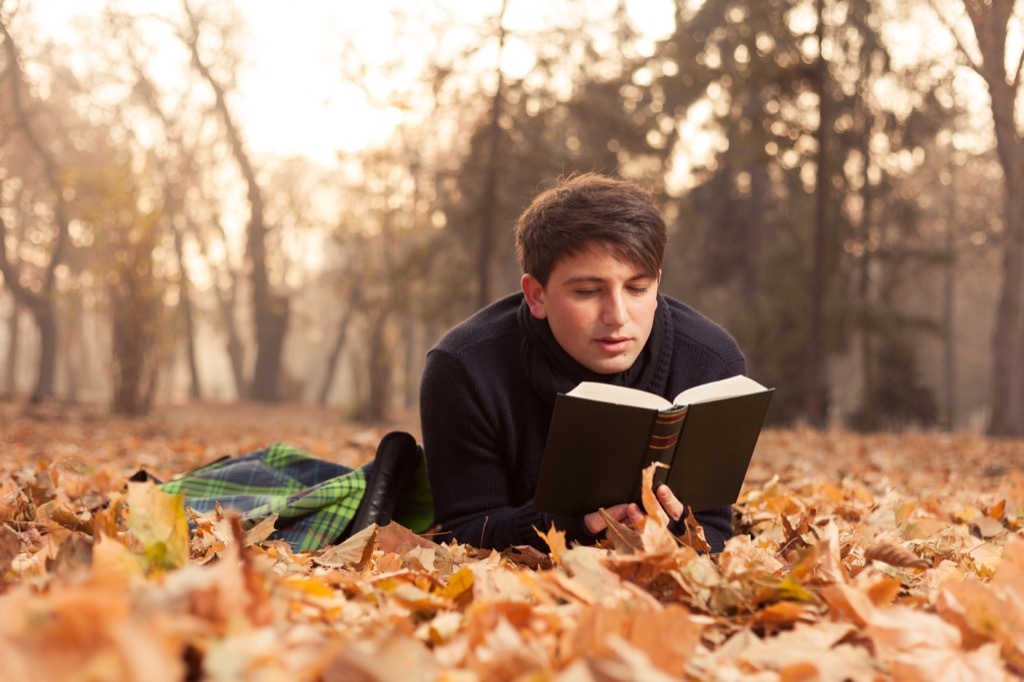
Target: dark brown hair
[587, 209]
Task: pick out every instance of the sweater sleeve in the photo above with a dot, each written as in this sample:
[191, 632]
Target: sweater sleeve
[471, 472]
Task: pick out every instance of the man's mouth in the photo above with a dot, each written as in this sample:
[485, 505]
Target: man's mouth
[614, 344]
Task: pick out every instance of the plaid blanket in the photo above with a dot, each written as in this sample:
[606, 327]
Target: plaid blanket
[315, 500]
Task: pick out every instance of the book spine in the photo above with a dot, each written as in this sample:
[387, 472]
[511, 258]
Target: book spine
[661, 445]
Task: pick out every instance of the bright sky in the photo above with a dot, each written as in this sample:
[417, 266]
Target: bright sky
[292, 99]
[296, 57]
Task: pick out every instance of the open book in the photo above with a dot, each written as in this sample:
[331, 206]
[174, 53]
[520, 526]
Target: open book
[603, 436]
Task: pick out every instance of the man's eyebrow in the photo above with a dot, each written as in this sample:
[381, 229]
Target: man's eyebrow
[578, 279]
[583, 278]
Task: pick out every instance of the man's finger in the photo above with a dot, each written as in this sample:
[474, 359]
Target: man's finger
[634, 515]
[670, 503]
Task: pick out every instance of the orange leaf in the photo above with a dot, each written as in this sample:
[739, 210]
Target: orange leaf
[555, 540]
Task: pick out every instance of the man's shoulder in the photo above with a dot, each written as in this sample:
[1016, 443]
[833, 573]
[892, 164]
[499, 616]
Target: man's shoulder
[493, 325]
[691, 327]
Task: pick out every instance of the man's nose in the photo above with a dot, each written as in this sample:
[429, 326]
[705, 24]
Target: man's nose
[614, 313]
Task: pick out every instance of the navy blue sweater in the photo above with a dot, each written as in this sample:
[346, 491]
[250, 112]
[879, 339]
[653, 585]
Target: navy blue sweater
[484, 426]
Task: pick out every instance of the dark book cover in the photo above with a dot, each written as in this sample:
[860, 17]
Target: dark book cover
[592, 455]
[596, 452]
[714, 450]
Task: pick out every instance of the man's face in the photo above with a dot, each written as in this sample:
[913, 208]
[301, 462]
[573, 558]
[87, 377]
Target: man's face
[600, 308]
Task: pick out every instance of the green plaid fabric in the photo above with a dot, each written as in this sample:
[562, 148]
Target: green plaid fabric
[315, 500]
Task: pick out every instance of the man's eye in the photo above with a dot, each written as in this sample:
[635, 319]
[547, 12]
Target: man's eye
[637, 289]
[587, 292]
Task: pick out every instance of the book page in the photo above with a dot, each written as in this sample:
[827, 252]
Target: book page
[733, 386]
[621, 395]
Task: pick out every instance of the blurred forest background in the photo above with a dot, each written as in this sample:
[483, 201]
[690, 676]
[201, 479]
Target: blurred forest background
[841, 179]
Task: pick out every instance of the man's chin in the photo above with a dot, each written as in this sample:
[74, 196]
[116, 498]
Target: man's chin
[611, 365]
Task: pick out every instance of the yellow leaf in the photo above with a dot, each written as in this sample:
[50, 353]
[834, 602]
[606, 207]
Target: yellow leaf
[310, 587]
[459, 585]
[158, 521]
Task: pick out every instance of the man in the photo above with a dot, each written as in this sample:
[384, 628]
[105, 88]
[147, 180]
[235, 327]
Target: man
[590, 249]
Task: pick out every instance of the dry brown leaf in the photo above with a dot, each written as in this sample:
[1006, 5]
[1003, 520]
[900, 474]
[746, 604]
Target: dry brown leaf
[895, 555]
[991, 612]
[260, 532]
[651, 506]
[624, 539]
[10, 547]
[804, 590]
[353, 552]
[667, 636]
[986, 527]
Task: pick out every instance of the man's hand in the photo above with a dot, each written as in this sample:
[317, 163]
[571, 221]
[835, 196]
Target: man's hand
[628, 514]
[670, 503]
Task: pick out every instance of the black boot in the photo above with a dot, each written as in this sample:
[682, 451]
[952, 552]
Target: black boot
[398, 456]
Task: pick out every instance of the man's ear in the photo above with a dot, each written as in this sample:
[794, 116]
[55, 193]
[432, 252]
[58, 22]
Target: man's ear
[534, 293]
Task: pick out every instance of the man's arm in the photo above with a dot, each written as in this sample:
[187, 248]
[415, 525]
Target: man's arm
[471, 472]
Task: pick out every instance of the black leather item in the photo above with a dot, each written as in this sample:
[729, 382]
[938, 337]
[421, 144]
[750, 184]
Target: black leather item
[397, 458]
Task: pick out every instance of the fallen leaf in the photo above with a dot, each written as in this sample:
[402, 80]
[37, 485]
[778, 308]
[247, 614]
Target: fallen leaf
[158, 522]
[895, 555]
[353, 552]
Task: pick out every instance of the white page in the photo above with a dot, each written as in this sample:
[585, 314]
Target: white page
[621, 395]
[737, 385]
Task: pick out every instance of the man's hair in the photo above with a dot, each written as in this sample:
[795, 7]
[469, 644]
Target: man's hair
[590, 209]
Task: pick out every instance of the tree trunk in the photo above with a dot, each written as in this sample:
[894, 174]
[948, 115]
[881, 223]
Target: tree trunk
[42, 302]
[226, 299]
[236, 350]
[990, 21]
[270, 310]
[949, 316]
[185, 306]
[1008, 347]
[489, 197]
[11, 364]
[271, 318]
[379, 398]
[46, 322]
[332, 358]
[815, 381]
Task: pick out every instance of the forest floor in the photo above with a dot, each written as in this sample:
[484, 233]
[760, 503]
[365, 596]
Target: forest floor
[861, 557]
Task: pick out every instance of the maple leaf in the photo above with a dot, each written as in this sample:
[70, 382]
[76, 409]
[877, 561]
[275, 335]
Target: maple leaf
[555, 540]
[857, 556]
[158, 521]
[693, 535]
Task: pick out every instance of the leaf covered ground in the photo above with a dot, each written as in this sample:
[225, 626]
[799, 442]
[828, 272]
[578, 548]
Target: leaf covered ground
[860, 557]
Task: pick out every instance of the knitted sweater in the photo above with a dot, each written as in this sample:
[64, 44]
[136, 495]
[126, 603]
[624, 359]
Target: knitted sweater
[484, 426]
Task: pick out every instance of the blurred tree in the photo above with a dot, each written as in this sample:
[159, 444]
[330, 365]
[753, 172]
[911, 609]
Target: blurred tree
[270, 306]
[794, 185]
[488, 208]
[387, 251]
[171, 161]
[753, 225]
[31, 271]
[901, 400]
[998, 57]
[389, 262]
[573, 110]
[125, 239]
